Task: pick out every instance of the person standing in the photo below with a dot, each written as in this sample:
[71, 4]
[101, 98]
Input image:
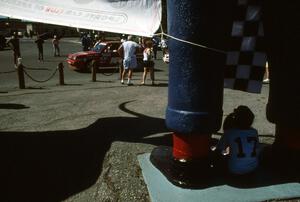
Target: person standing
[39, 42]
[148, 63]
[86, 42]
[155, 46]
[14, 44]
[128, 51]
[30, 34]
[267, 80]
[55, 43]
[142, 42]
[164, 45]
[98, 41]
[123, 38]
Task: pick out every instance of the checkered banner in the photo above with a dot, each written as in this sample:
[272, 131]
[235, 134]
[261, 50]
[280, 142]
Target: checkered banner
[138, 17]
[246, 60]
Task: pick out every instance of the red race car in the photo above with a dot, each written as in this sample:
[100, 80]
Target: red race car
[105, 55]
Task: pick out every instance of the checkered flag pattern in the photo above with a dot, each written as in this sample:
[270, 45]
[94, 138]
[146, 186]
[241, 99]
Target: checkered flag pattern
[246, 59]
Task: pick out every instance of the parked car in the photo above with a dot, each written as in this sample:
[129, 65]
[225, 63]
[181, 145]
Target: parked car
[105, 55]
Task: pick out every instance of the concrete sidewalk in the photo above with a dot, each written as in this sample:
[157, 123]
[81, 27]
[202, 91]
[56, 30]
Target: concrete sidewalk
[80, 142]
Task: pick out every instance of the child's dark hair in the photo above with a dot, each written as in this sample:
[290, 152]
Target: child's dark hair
[241, 118]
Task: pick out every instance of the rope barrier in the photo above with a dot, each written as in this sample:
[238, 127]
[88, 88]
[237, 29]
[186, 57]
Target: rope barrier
[8, 72]
[30, 68]
[109, 74]
[40, 81]
[191, 43]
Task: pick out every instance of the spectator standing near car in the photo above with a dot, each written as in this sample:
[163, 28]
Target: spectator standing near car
[98, 41]
[55, 43]
[86, 42]
[128, 50]
[155, 47]
[39, 42]
[164, 46]
[166, 57]
[14, 44]
[142, 42]
[30, 34]
[148, 63]
[123, 38]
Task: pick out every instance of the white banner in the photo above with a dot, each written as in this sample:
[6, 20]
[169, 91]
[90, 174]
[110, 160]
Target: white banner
[137, 17]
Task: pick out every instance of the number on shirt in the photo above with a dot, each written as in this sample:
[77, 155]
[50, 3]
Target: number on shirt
[241, 153]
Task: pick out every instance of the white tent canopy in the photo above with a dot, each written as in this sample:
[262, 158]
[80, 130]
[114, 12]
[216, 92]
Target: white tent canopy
[137, 17]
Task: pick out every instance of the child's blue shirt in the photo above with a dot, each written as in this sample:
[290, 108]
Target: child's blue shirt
[243, 149]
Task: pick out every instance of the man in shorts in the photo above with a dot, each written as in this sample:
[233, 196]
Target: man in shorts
[128, 50]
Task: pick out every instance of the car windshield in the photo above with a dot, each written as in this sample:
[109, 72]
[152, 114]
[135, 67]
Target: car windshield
[99, 47]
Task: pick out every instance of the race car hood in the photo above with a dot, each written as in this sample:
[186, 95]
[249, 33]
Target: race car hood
[83, 54]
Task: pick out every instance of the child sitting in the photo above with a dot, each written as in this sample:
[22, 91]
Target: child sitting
[239, 142]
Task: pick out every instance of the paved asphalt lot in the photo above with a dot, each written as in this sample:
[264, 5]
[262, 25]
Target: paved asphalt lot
[80, 141]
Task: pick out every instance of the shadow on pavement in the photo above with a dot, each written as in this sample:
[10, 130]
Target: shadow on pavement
[35, 88]
[53, 165]
[72, 84]
[13, 106]
[160, 85]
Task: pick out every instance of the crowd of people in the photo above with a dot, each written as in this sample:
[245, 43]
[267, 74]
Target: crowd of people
[128, 51]
[89, 41]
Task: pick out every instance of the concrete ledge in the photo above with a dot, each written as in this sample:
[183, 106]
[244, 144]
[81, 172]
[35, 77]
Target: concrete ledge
[161, 190]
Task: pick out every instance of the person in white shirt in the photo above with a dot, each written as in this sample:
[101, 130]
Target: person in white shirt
[128, 50]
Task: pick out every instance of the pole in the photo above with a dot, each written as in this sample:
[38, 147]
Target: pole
[195, 94]
[94, 71]
[61, 73]
[20, 71]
